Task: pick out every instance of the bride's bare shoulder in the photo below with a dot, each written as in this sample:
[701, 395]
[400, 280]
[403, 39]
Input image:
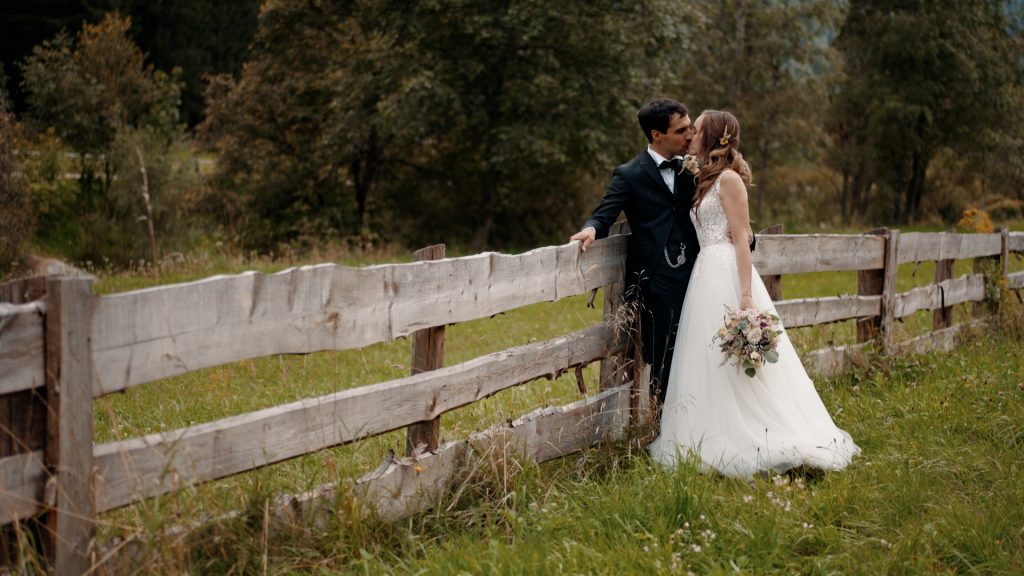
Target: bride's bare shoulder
[731, 177]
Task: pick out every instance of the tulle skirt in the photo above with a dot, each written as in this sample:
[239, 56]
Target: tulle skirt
[738, 425]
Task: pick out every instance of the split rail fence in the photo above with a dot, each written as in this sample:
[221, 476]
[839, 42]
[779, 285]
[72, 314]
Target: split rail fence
[61, 347]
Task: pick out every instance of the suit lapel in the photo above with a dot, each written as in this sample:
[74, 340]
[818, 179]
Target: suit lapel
[652, 171]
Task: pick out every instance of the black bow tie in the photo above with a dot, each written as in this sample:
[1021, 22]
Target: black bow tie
[675, 164]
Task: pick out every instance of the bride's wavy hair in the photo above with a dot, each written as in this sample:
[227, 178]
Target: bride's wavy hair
[719, 151]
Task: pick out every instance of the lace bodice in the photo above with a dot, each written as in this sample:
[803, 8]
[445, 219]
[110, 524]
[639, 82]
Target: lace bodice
[712, 226]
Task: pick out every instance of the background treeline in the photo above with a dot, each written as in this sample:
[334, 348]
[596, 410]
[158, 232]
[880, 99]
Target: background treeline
[131, 129]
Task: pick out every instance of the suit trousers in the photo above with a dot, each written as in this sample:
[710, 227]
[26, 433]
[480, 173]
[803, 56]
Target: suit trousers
[661, 303]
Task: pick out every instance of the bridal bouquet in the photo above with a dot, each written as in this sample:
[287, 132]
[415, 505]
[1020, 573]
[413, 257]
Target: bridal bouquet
[749, 338]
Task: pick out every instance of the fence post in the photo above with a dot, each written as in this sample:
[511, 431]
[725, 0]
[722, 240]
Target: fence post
[880, 283]
[427, 354]
[70, 523]
[613, 368]
[943, 317]
[773, 282]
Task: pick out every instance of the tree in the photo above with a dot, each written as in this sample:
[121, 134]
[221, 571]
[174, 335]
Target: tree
[769, 62]
[920, 77]
[15, 207]
[488, 120]
[95, 93]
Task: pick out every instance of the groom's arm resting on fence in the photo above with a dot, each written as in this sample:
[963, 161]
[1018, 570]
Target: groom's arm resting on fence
[607, 212]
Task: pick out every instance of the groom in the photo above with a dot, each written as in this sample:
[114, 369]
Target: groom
[656, 196]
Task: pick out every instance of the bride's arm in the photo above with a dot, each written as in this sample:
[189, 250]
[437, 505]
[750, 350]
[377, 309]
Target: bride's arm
[734, 201]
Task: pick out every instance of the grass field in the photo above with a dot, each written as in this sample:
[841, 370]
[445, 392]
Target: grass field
[938, 489]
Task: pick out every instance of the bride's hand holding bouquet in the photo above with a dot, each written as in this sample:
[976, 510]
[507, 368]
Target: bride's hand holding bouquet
[749, 337]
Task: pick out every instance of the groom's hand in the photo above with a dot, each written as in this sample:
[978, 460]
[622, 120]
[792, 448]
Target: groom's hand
[750, 235]
[586, 238]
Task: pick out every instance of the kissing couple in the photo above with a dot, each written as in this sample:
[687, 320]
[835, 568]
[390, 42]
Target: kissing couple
[689, 259]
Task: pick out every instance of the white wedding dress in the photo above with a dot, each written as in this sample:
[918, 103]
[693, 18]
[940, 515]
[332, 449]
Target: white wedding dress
[737, 425]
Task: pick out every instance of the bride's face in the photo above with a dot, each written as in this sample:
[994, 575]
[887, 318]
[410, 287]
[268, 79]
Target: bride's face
[698, 137]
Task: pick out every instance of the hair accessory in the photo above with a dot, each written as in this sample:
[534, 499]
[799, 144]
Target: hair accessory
[724, 140]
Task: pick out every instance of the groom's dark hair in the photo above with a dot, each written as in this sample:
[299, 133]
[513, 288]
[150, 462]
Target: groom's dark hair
[656, 115]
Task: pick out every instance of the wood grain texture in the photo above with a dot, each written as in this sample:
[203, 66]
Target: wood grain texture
[813, 311]
[939, 340]
[21, 346]
[872, 283]
[943, 317]
[967, 288]
[23, 290]
[887, 320]
[22, 479]
[71, 522]
[832, 360]
[1015, 281]
[613, 372]
[160, 332]
[1016, 242]
[550, 433]
[795, 253]
[772, 282]
[926, 246]
[139, 468]
[404, 486]
[427, 354]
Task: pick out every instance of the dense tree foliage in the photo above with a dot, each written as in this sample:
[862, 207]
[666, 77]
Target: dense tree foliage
[921, 77]
[481, 122]
[492, 123]
[96, 96]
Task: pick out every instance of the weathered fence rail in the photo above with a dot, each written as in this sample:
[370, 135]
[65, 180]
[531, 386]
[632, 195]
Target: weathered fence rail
[61, 347]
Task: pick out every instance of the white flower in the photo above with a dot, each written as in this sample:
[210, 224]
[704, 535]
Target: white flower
[690, 164]
[754, 333]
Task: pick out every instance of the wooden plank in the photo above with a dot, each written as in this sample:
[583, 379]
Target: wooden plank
[160, 332]
[70, 524]
[1016, 242]
[967, 288]
[550, 433]
[139, 468]
[926, 246]
[791, 254]
[939, 340]
[813, 311]
[1015, 281]
[427, 354]
[772, 282]
[22, 478]
[21, 346]
[832, 360]
[402, 487]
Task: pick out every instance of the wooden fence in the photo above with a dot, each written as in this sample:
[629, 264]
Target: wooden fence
[61, 347]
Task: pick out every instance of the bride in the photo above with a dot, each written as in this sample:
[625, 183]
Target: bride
[737, 425]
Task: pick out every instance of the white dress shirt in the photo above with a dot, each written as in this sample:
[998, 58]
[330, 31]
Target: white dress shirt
[668, 175]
